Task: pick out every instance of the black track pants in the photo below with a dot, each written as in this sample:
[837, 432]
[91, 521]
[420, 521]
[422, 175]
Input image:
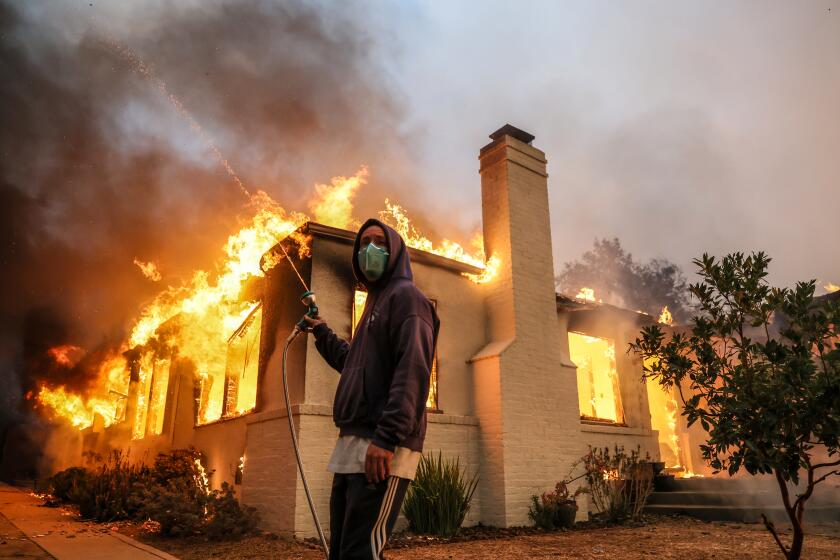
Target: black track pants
[362, 515]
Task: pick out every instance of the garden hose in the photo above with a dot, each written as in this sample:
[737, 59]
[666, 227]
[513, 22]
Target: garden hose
[324, 545]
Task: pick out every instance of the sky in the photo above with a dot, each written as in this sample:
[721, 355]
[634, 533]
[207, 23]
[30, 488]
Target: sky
[678, 127]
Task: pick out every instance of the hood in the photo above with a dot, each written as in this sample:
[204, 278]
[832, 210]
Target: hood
[399, 265]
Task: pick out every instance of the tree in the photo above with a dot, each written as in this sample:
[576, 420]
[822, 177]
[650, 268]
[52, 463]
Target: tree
[761, 369]
[619, 279]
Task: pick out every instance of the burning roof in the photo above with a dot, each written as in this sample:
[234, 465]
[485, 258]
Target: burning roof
[197, 320]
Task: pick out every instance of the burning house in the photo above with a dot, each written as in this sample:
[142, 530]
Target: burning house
[524, 378]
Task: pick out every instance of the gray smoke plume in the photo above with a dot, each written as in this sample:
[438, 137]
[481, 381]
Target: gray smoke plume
[98, 166]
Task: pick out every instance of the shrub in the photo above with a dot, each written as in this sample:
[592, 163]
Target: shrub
[227, 518]
[439, 498]
[67, 485]
[109, 492]
[177, 510]
[177, 493]
[174, 493]
[759, 370]
[619, 482]
[556, 509]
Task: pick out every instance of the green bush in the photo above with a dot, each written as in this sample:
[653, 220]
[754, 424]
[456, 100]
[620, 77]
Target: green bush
[174, 492]
[227, 518]
[439, 498]
[554, 510]
[178, 513]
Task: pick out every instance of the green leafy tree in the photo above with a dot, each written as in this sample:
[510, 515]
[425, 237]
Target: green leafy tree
[619, 279]
[759, 369]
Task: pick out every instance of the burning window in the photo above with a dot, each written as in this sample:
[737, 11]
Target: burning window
[242, 361]
[599, 394]
[359, 299]
[663, 418]
[211, 385]
[152, 385]
[228, 384]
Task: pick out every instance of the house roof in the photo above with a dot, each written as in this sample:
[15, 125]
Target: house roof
[348, 237]
[574, 305]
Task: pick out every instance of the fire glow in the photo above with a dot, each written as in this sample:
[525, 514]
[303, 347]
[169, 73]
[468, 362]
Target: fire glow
[213, 322]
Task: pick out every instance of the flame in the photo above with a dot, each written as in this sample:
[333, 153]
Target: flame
[78, 410]
[149, 270]
[213, 319]
[107, 399]
[202, 481]
[664, 412]
[831, 288]
[396, 216]
[587, 294]
[599, 394]
[333, 203]
[665, 317]
[66, 355]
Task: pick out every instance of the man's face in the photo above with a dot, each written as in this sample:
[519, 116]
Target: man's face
[374, 234]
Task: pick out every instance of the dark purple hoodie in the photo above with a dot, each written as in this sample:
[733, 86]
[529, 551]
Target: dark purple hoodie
[385, 369]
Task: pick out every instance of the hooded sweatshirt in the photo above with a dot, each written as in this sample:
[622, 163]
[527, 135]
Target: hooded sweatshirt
[385, 369]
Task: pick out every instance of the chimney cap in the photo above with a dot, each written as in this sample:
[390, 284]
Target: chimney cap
[511, 130]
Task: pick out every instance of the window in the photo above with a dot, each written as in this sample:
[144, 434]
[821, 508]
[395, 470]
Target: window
[664, 412]
[227, 375]
[152, 385]
[359, 299]
[599, 394]
[242, 364]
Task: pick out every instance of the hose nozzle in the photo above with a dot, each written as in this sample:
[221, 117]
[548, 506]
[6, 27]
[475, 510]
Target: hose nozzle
[307, 299]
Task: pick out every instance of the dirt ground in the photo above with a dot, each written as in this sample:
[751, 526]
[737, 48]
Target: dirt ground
[667, 539]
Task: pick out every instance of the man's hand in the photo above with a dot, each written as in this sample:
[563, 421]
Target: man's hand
[312, 322]
[377, 464]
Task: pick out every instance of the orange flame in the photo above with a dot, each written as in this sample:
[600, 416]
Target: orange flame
[149, 269]
[107, 399]
[587, 294]
[831, 288]
[66, 355]
[396, 216]
[333, 203]
[665, 317]
[213, 318]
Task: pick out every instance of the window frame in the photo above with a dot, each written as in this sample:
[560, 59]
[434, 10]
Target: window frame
[621, 414]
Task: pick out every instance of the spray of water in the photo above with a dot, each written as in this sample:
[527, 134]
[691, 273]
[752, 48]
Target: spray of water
[139, 66]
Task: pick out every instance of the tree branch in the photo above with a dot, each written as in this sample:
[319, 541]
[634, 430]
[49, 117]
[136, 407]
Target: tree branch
[772, 529]
[826, 475]
[820, 465]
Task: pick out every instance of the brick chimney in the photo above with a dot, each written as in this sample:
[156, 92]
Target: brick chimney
[525, 396]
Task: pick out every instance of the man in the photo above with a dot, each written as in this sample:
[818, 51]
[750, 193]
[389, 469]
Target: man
[380, 403]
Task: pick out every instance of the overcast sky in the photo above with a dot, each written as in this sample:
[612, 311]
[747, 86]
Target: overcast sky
[679, 127]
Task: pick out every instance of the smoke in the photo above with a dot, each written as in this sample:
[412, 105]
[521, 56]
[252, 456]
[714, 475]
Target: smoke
[98, 167]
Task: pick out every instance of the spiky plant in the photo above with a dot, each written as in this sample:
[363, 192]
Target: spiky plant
[439, 498]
